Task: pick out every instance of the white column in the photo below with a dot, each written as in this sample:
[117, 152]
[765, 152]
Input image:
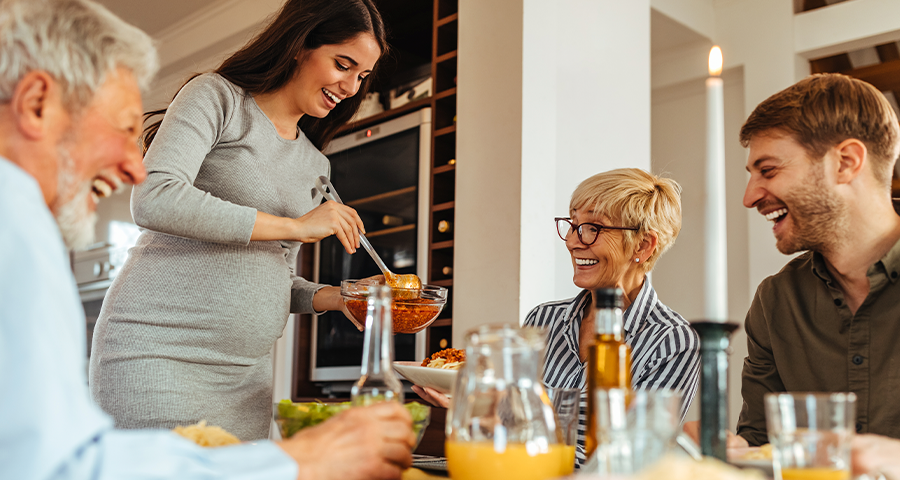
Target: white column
[487, 237]
[603, 101]
[539, 202]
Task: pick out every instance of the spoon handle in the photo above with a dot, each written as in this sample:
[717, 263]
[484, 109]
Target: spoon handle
[324, 186]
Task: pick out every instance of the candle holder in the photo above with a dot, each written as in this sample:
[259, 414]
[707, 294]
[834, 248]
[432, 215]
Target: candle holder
[715, 337]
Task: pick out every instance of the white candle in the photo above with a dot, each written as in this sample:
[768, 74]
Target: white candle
[716, 258]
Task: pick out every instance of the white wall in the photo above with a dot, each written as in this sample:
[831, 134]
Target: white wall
[535, 119]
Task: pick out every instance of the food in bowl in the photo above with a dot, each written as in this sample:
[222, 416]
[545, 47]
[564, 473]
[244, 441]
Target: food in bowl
[411, 310]
[448, 359]
[206, 435]
[292, 417]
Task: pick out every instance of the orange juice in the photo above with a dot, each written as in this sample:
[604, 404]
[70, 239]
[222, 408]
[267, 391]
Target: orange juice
[479, 460]
[609, 366]
[821, 473]
[568, 460]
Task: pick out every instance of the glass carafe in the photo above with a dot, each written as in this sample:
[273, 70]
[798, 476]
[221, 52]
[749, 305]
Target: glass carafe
[501, 424]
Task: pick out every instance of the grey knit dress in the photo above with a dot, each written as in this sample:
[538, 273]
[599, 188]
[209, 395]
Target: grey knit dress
[187, 327]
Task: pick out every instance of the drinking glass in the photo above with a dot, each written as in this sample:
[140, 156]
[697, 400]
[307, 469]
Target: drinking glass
[810, 434]
[634, 429]
[566, 404]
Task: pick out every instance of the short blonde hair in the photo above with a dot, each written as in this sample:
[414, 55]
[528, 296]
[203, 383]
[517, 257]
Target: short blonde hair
[631, 197]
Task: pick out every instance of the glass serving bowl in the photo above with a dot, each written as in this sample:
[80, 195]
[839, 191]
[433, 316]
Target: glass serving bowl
[411, 312]
[292, 417]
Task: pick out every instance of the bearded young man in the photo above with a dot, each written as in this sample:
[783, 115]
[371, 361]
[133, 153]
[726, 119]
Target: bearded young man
[71, 75]
[822, 153]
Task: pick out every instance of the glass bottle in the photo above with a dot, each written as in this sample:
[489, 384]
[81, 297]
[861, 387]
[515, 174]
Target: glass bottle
[609, 357]
[377, 381]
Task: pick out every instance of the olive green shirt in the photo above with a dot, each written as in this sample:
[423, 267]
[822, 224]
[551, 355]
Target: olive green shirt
[801, 337]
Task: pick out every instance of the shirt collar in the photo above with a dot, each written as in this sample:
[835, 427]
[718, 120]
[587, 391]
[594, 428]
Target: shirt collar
[640, 308]
[574, 314]
[889, 264]
[575, 311]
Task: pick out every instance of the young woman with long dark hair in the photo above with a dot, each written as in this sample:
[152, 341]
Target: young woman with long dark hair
[188, 324]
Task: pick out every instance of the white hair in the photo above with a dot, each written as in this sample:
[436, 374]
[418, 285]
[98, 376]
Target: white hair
[78, 42]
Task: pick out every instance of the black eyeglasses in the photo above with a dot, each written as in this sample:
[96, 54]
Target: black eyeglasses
[587, 232]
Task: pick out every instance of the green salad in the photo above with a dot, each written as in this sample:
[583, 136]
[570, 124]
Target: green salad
[293, 417]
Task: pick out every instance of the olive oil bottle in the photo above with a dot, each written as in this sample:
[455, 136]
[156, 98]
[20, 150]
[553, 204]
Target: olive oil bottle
[609, 357]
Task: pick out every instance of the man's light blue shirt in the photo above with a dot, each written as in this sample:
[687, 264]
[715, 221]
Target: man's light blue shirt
[49, 427]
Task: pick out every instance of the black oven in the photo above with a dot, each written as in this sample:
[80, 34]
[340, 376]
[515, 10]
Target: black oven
[383, 172]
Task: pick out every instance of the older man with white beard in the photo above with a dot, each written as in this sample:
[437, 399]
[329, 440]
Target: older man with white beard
[822, 153]
[70, 115]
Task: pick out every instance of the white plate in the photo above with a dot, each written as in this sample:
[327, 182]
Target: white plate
[437, 378]
[738, 457]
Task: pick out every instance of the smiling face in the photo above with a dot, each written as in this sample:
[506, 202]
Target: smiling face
[791, 190]
[602, 264]
[98, 155]
[331, 73]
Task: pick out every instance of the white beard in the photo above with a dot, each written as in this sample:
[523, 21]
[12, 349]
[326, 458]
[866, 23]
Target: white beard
[74, 216]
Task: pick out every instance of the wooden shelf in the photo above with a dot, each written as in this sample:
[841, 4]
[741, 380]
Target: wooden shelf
[388, 231]
[401, 203]
[444, 60]
[443, 206]
[446, 20]
[445, 93]
[446, 56]
[385, 115]
[382, 196]
[445, 130]
[440, 245]
[442, 322]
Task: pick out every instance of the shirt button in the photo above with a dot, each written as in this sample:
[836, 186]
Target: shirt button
[857, 359]
[858, 427]
[838, 302]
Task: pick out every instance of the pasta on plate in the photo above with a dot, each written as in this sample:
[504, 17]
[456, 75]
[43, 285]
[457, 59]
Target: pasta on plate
[447, 359]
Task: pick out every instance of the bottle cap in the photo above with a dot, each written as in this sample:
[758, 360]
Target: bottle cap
[608, 298]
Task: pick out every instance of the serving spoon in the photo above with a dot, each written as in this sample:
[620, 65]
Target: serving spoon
[393, 280]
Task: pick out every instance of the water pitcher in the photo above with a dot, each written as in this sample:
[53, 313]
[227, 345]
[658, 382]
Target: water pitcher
[501, 423]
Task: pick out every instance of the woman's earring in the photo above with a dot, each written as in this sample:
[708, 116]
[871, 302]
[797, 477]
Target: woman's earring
[637, 260]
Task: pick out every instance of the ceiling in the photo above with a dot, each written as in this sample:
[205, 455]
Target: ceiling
[154, 16]
[806, 5]
[666, 33]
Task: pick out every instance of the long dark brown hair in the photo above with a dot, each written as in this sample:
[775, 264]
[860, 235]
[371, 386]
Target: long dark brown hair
[267, 63]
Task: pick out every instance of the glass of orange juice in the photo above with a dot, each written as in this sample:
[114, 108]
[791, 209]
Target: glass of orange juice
[634, 429]
[810, 434]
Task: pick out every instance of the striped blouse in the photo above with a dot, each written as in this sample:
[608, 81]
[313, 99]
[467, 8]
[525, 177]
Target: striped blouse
[665, 350]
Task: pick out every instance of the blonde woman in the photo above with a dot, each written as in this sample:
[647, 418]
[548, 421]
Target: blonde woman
[620, 222]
